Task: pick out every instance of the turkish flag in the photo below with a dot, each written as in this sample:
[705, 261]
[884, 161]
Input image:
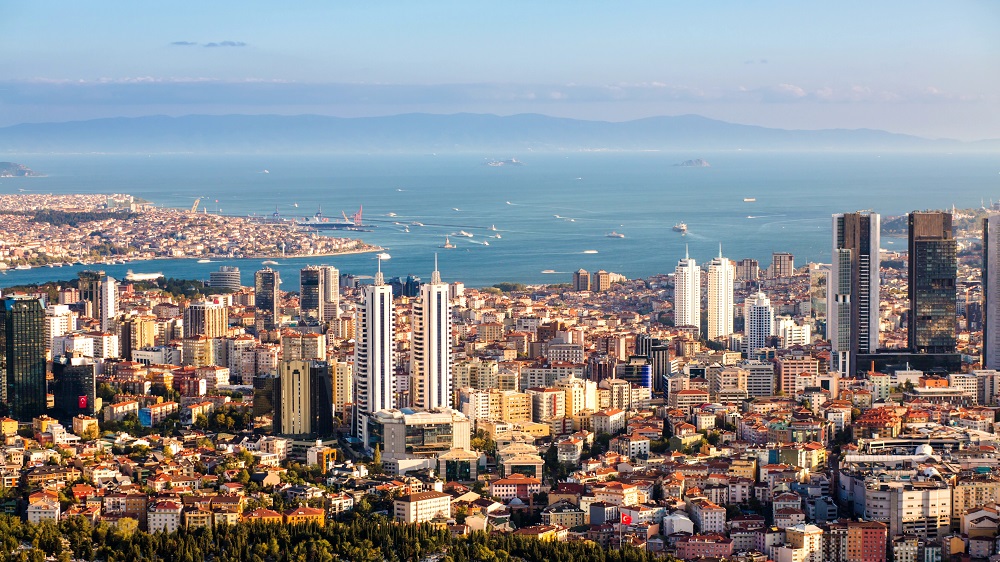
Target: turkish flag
[626, 519]
[82, 402]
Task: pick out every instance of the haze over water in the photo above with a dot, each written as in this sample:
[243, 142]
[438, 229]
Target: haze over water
[548, 212]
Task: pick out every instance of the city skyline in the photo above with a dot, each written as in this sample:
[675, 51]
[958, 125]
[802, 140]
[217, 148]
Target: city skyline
[793, 67]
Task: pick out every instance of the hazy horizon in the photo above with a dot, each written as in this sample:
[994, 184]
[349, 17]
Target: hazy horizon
[915, 68]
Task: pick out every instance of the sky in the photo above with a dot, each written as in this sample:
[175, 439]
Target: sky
[925, 68]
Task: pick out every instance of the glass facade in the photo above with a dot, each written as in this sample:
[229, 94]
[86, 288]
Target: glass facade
[22, 357]
[933, 269]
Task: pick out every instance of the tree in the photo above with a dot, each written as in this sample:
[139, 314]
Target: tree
[376, 464]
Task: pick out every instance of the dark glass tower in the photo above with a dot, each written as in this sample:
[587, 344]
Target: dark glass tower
[310, 294]
[266, 299]
[74, 387]
[933, 268]
[22, 357]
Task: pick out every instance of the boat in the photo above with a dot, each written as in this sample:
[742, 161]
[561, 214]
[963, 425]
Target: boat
[590, 251]
[680, 227]
[493, 227]
[465, 234]
[406, 229]
[269, 262]
[447, 244]
[265, 171]
[204, 261]
[548, 271]
[455, 209]
[131, 276]
[749, 199]
[390, 214]
[497, 236]
[485, 243]
[417, 223]
[23, 266]
[614, 234]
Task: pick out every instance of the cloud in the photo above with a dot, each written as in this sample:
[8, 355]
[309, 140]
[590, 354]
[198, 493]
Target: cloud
[184, 43]
[226, 44]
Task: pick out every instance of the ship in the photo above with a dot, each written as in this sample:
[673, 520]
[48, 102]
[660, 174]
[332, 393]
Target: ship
[23, 266]
[447, 244]
[132, 276]
[205, 261]
[749, 199]
[614, 234]
[465, 234]
[319, 222]
[269, 262]
[493, 227]
[681, 227]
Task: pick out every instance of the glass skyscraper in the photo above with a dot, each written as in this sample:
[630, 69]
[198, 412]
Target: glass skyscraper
[933, 269]
[22, 357]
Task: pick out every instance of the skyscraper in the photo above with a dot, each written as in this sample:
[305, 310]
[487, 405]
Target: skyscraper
[687, 293]
[206, 318]
[319, 293]
[374, 352]
[431, 359]
[759, 321]
[852, 322]
[782, 265]
[22, 357]
[100, 292]
[304, 402]
[721, 278]
[266, 283]
[991, 292]
[933, 268]
[310, 294]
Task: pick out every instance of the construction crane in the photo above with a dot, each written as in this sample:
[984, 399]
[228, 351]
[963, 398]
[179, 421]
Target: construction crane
[194, 208]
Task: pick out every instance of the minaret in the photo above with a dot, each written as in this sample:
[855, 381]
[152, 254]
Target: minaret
[431, 358]
[374, 352]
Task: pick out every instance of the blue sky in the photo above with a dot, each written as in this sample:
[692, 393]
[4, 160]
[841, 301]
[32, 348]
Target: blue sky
[926, 68]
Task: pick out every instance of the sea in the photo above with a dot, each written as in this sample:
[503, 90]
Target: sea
[543, 219]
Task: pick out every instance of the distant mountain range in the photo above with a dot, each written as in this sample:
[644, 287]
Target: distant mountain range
[418, 132]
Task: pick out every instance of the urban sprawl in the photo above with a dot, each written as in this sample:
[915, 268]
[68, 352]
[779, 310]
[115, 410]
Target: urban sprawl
[841, 412]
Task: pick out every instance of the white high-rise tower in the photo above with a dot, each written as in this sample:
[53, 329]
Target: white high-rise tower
[759, 318]
[852, 290]
[721, 278]
[374, 352]
[108, 302]
[687, 293]
[330, 280]
[431, 359]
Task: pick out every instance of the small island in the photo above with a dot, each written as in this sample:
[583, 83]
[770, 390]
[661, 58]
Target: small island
[15, 170]
[696, 163]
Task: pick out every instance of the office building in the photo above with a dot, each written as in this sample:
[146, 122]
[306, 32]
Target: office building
[933, 268]
[759, 321]
[721, 278]
[687, 293]
[136, 332]
[374, 352]
[266, 286]
[431, 357]
[782, 265]
[304, 404]
[319, 294]
[991, 292]
[601, 281]
[74, 388]
[227, 277]
[852, 321]
[206, 318]
[747, 270]
[22, 357]
[581, 280]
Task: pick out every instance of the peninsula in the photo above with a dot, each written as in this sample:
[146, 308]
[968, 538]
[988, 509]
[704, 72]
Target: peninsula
[42, 229]
[15, 170]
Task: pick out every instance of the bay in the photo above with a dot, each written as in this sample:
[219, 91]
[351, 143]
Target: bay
[553, 213]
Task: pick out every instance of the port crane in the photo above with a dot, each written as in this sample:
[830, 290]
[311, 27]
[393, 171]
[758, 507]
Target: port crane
[194, 208]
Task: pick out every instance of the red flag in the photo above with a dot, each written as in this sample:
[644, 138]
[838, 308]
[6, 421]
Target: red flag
[626, 519]
[82, 402]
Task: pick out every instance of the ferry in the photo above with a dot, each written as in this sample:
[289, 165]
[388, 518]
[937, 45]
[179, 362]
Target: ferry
[130, 276]
[269, 262]
[23, 266]
[204, 261]
[447, 244]
[680, 227]
[749, 199]
[614, 234]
